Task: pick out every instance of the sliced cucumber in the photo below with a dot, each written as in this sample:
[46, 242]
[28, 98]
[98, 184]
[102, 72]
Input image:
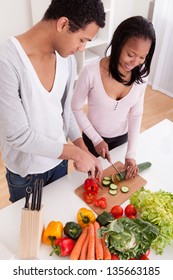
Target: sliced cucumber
[112, 192]
[106, 183]
[112, 178]
[106, 178]
[113, 186]
[124, 189]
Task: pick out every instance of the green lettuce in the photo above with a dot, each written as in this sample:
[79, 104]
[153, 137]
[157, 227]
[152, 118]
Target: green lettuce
[156, 208]
[128, 238]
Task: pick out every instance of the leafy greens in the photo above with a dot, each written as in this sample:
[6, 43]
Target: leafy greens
[128, 238]
[156, 208]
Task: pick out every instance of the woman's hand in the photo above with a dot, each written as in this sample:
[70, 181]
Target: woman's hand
[131, 168]
[103, 150]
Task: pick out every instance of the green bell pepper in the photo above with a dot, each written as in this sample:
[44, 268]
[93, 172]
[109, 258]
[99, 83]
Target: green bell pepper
[72, 230]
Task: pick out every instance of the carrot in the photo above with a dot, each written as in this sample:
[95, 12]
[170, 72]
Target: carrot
[75, 254]
[91, 244]
[98, 242]
[106, 252]
[83, 255]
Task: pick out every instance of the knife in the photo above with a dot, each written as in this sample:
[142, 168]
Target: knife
[115, 167]
[27, 196]
[39, 197]
[34, 195]
[99, 185]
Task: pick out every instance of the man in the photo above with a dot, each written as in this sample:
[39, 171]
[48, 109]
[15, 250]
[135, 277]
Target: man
[37, 71]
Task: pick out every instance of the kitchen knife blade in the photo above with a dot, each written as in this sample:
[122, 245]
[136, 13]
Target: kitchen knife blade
[116, 169]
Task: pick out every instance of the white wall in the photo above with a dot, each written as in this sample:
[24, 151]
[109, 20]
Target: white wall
[15, 17]
[126, 8]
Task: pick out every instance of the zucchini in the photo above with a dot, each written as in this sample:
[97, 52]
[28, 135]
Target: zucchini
[124, 189]
[112, 192]
[113, 186]
[142, 166]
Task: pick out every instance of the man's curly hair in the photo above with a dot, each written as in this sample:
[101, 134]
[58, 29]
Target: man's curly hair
[79, 12]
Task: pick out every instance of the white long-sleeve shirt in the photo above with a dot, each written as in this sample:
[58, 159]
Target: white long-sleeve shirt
[107, 117]
[34, 123]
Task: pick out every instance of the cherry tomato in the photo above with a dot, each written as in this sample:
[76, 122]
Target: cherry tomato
[147, 253]
[114, 257]
[131, 216]
[117, 211]
[130, 210]
[144, 257]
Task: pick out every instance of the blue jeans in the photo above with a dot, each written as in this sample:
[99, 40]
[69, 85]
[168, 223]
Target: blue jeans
[17, 184]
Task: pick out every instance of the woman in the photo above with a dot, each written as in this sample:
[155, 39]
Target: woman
[115, 87]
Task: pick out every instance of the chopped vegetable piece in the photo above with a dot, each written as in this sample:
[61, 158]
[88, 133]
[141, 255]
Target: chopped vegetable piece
[107, 178]
[90, 186]
[101, 202]
[106, 183]
[124, 189]
[112, 192]
[89, 197]
[113, 187]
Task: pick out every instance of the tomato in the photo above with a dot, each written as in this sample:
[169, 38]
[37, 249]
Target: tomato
[147, 253]
[131, 216]
[89, 197]
[117, 211]
[144, 257]
[130, 210]
[114, 257]
[101, 202]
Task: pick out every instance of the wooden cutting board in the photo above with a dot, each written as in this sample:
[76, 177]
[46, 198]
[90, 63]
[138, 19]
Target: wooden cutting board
[134, 184]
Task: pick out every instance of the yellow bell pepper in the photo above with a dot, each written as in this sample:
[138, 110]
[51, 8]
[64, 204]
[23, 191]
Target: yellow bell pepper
[54, 230]
[85, 217]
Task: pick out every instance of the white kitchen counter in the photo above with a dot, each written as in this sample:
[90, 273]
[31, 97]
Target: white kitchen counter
[61, 203]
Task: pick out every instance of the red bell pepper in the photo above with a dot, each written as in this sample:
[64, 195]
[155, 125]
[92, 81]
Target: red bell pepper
[101, 202]
[62, 246]
[90, 186]
[89, 197]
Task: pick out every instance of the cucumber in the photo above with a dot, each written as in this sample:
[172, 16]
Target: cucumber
[112, 192]
[106, 178]
[106, 183]
[142, 166]
[124, 189]
[113, 186]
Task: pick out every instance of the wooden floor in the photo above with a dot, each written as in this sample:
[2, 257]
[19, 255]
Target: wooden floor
[157, 107]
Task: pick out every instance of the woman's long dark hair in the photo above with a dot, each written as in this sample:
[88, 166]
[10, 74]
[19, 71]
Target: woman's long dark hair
[138, 27]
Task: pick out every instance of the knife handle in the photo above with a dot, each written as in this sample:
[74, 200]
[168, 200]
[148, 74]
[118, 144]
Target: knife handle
[34, 195]
[39, 198]
[27, 196]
